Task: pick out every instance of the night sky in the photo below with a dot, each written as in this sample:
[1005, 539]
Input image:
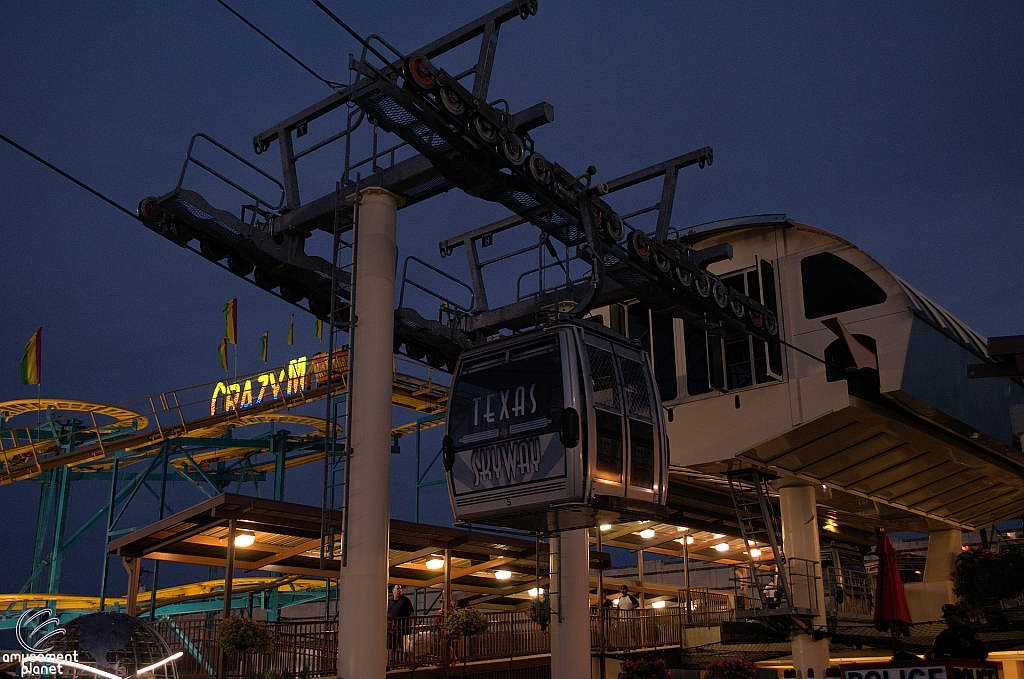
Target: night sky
[898, 126]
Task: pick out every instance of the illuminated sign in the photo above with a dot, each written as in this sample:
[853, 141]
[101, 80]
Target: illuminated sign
[291, 379]
[294, 378]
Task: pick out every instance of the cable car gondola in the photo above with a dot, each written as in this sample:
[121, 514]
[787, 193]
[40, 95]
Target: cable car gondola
[555, 429]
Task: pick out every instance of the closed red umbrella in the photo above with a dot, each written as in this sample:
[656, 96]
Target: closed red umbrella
[892, 614]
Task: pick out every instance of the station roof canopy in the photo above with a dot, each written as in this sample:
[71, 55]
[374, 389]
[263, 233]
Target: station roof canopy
[287, 540]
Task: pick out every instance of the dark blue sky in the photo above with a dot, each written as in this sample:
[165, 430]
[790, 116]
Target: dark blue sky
[897, 126]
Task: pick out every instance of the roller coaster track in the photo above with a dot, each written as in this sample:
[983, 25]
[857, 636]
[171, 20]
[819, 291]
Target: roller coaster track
[11, 605]
[26, 452]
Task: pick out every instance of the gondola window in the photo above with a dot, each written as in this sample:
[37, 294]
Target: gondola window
[504, 420]
[606, 414]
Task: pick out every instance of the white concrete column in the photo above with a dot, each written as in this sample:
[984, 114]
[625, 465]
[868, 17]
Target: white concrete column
[362, 597]
[944, 546]
[570, 638]
[800, 541]
[926, 598]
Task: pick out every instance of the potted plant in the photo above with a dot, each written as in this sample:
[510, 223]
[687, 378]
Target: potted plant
[982, 578]
[242, 635]
[731, 668]
[644, 669]
[540, 613]
[464, 622]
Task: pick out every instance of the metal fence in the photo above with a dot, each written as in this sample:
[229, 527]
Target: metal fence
[849, 594]
[418, 642]
[311, 646]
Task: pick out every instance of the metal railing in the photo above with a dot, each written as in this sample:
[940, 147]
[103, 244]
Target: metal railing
[416, 642]
[640, 628]
[849, 594]
[255, 208]
[452, 308]
[311, 645]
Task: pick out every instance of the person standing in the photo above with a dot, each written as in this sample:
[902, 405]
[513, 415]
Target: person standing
[957, 640]
[626, 601]
[400, 616]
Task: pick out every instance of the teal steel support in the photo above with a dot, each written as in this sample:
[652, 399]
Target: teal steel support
[42, 524]
[272, 600]
[279, 453]
[60, 525]
[420, 483]
[106, 534]
[166, 453]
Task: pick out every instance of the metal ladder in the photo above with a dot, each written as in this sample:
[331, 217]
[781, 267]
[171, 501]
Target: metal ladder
[761, 527]
[554, 576]
[336, 442]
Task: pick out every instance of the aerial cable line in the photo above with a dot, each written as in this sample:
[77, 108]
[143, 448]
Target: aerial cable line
[64, 174]
[133, 215]
[362, 41]
[329, 83]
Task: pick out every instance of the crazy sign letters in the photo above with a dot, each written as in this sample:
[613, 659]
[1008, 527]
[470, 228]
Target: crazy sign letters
[291, 379]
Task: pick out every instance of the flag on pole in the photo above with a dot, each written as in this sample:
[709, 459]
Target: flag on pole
[319, 329]
[231, 321]
[263, 348]
[291, 331]
[32, 363]
[222, 351]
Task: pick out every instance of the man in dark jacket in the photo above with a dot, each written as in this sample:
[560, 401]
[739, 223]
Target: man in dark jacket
[400, 614]
[957, 640]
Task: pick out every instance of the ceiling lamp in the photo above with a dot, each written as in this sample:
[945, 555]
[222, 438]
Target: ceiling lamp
[606, 526]
[682, 529]
[719, 536]
[658, 604]
[647, 534]
[503, 575]
[755, 552]
[435, 564]
[689, 539]
[245, 538]
[722, 547]
[533, 591]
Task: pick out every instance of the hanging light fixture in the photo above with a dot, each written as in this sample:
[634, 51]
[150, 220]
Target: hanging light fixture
[647, 534]
[245, 538]
[606, 526]
[503, 575]
[722, 547]
[435, 564]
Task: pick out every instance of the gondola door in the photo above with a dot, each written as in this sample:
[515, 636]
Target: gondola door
[609, 427]
[642, 425]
